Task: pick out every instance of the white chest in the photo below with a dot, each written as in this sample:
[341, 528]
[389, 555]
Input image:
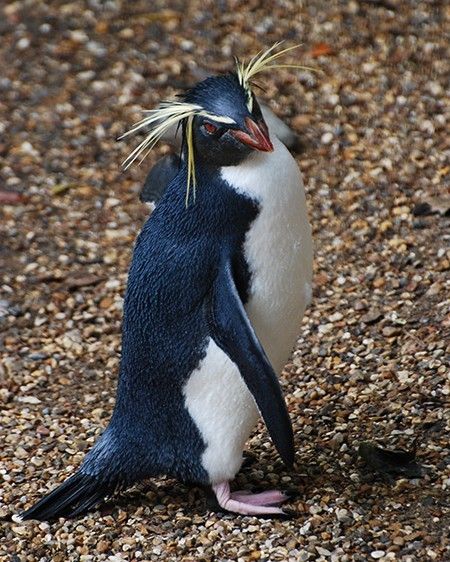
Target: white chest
[278, 248]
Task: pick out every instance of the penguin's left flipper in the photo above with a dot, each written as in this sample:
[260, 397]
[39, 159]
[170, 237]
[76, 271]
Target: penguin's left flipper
[233, 333]
[159, 177]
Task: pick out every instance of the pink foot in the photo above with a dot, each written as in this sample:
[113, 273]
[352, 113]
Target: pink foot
[247, 503]
[271, 497]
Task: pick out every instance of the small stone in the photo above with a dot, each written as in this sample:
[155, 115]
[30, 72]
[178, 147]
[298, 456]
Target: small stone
[106, 303]
[434, 88]
[323, 551]
[20, 530]
[29, 399]
[72, 341]
[434, 289]
[372, 317]
[337, 440]
[187, 45]
[333, 100]
[23, 43]
[42, 430]
[325, 328]
[377, 554]
[112, 284]
[102, 546]
[79, 36]
[83, 281]
[336, 317]
[321, 279]
[390, 331]
[326, 138]
[343, 516]
[111, 202]
[96, 48]
[21, 453]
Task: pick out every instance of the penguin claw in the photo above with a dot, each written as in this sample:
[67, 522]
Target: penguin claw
[285, 514]
[289, 513]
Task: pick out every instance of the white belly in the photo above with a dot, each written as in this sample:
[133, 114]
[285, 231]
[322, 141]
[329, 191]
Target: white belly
[223, 410]
[278, 250]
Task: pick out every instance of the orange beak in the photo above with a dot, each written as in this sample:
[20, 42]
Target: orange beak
[257, 136]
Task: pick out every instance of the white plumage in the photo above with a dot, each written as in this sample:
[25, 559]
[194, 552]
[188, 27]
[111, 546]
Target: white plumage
[278, 250]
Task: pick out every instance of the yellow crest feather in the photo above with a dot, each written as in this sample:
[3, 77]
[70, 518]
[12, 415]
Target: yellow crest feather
[263, 60]
[170, 113]
[160, 120]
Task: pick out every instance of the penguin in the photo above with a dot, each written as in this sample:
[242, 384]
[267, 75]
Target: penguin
[218, 284]
[165, 169]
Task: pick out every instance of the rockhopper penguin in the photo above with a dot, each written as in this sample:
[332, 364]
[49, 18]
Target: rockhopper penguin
[219, 281]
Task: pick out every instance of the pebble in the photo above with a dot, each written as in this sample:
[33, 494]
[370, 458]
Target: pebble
[390, 331]
[23, 43]
[28, 399]
[326, 138]
[337, 440]
[343, 515]
[434, 88]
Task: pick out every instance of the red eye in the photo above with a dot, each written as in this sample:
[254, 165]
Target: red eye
[210, 128]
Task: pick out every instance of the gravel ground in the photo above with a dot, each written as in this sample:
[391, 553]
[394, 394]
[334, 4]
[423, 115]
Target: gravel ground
[370, 364]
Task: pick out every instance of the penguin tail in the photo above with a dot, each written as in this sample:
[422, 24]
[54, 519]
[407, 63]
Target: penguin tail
[76, 495]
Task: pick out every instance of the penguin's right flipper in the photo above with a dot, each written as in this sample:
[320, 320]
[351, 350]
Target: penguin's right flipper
[159, 177]
[233, 333]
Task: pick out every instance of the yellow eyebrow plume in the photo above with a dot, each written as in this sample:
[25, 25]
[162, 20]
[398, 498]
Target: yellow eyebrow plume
[172, 113]
[160, 120]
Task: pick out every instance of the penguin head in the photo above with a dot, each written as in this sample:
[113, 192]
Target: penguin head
[221, 119]
[231, 125]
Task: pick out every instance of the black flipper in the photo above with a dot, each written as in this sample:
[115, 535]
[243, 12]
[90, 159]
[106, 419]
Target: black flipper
[76, 495]
[233, 333]
[159, 178]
